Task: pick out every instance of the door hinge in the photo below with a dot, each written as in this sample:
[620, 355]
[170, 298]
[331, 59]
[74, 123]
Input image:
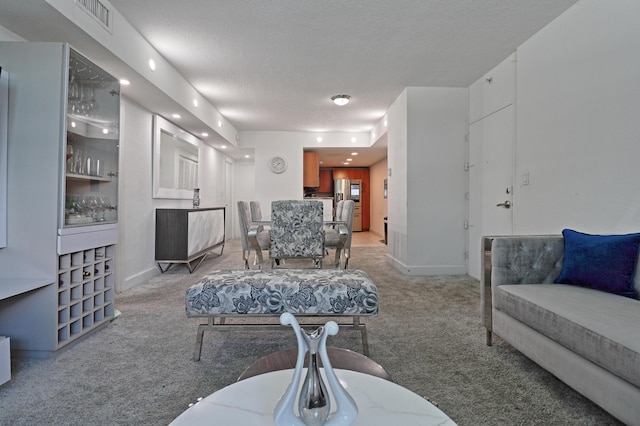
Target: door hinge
[467, 166]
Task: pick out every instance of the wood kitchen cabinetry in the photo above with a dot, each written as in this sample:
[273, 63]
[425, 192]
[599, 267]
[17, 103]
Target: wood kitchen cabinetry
[311, 170]
[326, 181]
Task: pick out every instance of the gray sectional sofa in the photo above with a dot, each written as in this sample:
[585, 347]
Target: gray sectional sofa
[589, 338]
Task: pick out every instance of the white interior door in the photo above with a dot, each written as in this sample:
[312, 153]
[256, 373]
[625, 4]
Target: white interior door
[475, 198]
[491, 157]
[497, 173]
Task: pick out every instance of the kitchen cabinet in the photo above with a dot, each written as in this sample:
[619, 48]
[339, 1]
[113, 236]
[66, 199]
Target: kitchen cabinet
[311, 169]
[326, 181]
[187, 235]
[57, 272]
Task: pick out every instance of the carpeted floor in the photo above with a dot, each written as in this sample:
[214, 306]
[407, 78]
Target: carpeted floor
[138, 370]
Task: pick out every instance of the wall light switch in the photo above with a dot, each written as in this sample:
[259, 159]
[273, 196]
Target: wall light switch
[525, 178]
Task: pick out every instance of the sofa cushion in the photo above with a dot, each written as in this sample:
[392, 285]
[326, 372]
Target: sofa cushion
[602, 262]
[599, 326]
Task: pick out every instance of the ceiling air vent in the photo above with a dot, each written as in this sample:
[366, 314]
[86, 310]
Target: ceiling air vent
[98, 10]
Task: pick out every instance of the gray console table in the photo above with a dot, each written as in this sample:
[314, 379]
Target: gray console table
[188, 235]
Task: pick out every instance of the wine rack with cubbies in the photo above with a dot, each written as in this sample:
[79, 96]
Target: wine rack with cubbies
[85, 291]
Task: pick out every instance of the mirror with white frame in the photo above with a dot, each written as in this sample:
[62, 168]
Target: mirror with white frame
[176, 156]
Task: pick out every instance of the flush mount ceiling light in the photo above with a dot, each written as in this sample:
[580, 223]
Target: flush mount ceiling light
[341, 100]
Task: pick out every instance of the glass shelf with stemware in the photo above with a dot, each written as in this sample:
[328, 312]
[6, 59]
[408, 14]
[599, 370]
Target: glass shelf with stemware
[85, 177]
[91, 145]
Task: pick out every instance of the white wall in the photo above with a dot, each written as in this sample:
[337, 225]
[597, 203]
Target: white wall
[136, 251]
[427, 184]
[578, 109]
[397, 179]
[271, 186]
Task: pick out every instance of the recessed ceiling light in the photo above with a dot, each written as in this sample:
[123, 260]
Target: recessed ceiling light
[319, 138]
[247, 156]
[385, 122]
[341, 100]
[346, 163]
[223, 146]
[125, 82]
[195, 103]
[354, 139]
[152, 65]
[220, 123]
[105, 131]
[349, 159]
[175, 115]
[73, 124]
[354, 153]
[205, 134]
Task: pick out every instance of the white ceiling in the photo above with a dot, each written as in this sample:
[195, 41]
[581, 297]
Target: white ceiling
[272, 65]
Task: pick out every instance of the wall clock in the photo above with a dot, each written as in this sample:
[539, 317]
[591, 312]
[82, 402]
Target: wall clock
[278, 164]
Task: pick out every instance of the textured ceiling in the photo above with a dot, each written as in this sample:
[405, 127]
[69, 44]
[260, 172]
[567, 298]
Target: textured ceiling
[273, 65]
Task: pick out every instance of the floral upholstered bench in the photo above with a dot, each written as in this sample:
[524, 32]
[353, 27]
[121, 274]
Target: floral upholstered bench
[269, 293]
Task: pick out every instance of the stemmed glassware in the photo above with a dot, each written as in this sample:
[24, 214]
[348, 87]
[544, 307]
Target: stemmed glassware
[84, 107]
[69, 158]
[93, 104]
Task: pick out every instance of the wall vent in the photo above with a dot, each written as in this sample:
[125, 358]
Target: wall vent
[99, 10]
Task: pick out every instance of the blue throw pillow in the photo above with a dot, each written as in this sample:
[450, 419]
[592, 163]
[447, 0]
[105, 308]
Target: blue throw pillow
[601, 262]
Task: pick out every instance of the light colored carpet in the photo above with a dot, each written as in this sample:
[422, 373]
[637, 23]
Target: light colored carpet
[138, 369]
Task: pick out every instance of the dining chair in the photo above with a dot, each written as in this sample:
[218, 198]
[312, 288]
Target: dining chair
[296, 231]
[344, 213]
[256, 211]
[260, 237]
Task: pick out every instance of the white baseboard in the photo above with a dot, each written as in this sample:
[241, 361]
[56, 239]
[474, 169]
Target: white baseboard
[139, 278]
[419, 270]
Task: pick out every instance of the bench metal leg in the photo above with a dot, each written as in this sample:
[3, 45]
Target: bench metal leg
[221, 326]
[199, 337]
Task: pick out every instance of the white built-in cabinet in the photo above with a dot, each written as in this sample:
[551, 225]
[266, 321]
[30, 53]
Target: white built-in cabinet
[490, 158]
[57, 276]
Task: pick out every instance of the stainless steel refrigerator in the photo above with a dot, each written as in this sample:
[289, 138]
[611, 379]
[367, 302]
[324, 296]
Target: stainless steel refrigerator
[350, 189]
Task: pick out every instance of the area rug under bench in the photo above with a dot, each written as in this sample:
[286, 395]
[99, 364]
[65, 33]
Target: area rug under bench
[256, 294]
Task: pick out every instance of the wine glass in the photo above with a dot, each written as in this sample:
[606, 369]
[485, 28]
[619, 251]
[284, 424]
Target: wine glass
[93, 104]
[69, 158]
[84, 107]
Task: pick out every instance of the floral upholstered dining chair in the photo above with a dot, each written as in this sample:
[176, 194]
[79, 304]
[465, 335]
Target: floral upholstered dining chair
[296, 231]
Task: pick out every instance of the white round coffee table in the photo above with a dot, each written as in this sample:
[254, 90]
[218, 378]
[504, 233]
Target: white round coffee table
[252, 402]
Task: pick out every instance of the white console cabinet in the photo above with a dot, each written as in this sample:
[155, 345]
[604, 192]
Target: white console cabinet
[57, 271]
